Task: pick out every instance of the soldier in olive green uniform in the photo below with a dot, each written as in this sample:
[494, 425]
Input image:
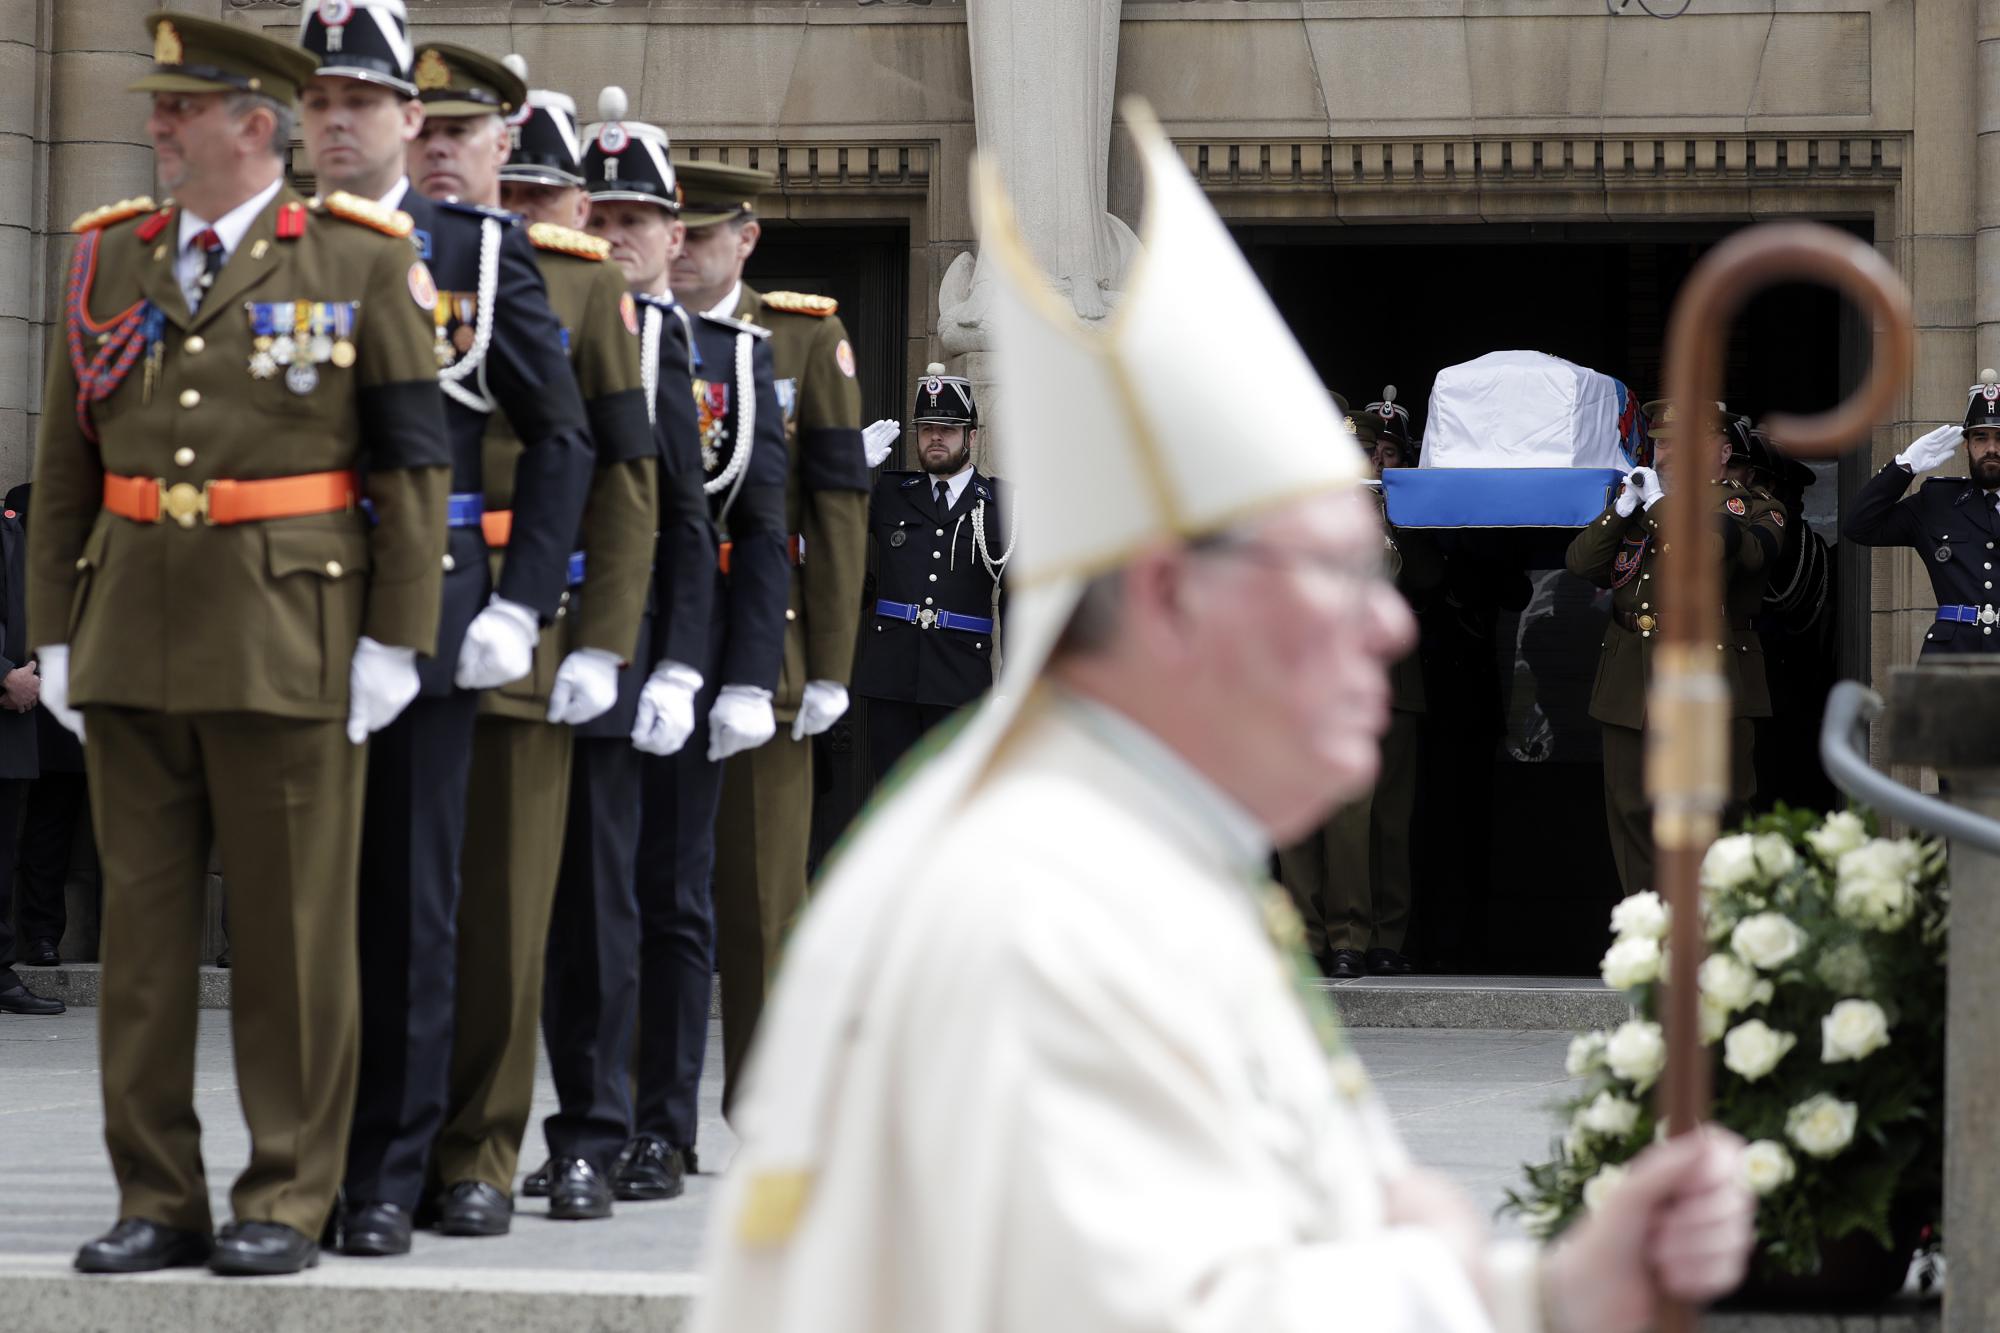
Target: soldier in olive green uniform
[519, 794]
[206, 590]
[1620, 551]
[763, 830]
[1352, 876]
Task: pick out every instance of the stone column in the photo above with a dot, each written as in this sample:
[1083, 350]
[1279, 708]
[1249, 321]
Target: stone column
[1986, 219]
[1042, 81]
[23, 32]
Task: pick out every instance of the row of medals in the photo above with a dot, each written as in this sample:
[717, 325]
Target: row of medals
[300, 357]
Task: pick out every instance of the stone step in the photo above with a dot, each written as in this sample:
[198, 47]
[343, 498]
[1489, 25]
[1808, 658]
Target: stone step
[44, 1292]
[1498, 1003]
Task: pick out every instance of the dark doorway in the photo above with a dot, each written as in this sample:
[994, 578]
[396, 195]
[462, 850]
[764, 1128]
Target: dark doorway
[867, 270]
[1513, 872]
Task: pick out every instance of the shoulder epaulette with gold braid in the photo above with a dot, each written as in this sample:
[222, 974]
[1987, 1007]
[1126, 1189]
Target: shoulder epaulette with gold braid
[368, 213]
[802, 303]
[568, 241]
[110, 213]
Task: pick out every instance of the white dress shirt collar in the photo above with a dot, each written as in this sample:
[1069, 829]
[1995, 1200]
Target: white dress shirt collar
[230, 227]
[394, 199]
[956, 482]
[726, 307]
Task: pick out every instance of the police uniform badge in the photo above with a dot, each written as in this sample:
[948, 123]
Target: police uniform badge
[898, 537]
[1943, 555]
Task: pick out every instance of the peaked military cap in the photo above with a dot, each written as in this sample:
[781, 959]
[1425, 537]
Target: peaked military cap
[945, 398]
[1736, 430]
[1982, 403]
[367, 40]
[545, 146]
[713, 192]
[628, 159]
[195, 55]
[1391, 420]
[455, 81]
[1768, 460]
[1663, 419]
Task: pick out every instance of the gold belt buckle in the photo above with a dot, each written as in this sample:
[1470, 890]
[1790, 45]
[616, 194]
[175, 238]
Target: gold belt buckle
[927, 618]
[183, 502]
[1646, 622]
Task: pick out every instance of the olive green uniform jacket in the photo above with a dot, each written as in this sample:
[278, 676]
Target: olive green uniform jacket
[257, 617]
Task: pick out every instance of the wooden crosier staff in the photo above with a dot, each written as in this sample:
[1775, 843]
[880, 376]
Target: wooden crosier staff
[1687, 705]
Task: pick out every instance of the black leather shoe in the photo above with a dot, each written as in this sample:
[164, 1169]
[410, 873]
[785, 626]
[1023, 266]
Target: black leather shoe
[651, 1170]
[576, 1192]
[374, 1230]
[138, 1246]
[42, 953]
[1347, 964]
[536, 1185]
[262, 1249]
[1389, 963]
[474, 1208]
[18, 999]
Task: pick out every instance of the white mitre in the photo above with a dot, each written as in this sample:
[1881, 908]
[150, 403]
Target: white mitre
[1116, 440]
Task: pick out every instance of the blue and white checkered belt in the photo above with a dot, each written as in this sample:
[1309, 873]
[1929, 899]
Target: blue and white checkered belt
[1969, 615]
[924, 617]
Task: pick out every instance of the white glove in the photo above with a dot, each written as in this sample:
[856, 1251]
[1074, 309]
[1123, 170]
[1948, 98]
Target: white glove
[1931, 450]
[1629, 494]
[740, 720]
[1651, 492]
[381, 681]
[499, 646]
[586, 687]
[666, 709]
[822, 705]
[53, 664]
[876, 439]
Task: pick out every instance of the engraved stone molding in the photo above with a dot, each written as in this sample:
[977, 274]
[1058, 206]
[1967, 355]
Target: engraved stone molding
[824, 168]
[1447, 164]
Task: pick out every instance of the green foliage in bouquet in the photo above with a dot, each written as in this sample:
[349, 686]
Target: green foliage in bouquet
[1824, 994]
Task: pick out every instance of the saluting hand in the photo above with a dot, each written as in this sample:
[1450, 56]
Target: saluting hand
[1932, 449]
[876, 439]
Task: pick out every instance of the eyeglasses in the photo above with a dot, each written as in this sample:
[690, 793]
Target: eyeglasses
[183, 106]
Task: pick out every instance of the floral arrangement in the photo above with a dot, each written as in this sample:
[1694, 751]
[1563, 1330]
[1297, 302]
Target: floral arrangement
[1825, 991]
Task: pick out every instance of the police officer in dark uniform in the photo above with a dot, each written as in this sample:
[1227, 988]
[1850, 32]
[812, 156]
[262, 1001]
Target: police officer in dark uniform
[745, 466]
[1796, 625]
[497, 348]
[1953, 522]
[942, 541]
[590, 991]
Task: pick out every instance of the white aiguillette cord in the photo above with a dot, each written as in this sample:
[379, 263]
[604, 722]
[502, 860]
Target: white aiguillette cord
[482, 326]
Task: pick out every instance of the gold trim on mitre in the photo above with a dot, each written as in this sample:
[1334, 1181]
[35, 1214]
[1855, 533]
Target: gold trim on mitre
[166, 44]
[1152, 440]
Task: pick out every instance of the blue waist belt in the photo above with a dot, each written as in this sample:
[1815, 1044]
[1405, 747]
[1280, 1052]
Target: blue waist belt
[1969, 615]
[926, 618]
[575, 568]
[462, 510]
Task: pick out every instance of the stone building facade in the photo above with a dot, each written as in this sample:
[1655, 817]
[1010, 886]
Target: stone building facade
[1314, 124]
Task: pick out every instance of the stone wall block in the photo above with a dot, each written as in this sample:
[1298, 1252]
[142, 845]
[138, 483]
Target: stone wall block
[1258, 74]
[83, 176]
[1814, 64]
[1535, 66]
[1939, 270]
[1364, 69]
[19, 107]
[89, 100]
[726, 77]
[582, 58]
[1944, 367]
[17, 181]
[830, 80]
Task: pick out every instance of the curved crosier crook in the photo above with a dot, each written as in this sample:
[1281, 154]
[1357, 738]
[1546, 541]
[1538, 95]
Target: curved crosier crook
[1687, 705]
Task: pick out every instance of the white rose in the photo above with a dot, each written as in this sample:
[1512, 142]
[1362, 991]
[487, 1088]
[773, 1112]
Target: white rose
[1637, 1052]
[1609, 1116]
[1853, 1030]
[1643, 914]
[1845, 968]
[1714, 1020]
[1775, 857]
[1837, 835]
[1873, 884]
[1767, 940]
[1822, 1125]
[1762, 992]
[1586, 1052]
[1753, 1049]
[1598, 1188]
[1630, 962]
[1727, 981]
[1731, 862]
[1540, 1221]
[1766, 1166]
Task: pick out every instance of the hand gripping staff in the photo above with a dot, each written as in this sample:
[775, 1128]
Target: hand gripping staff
[1687, 706]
